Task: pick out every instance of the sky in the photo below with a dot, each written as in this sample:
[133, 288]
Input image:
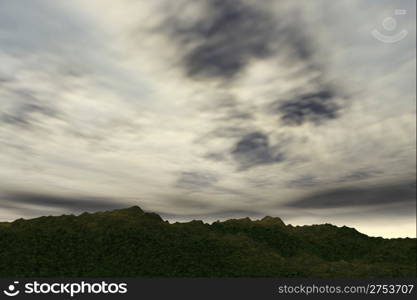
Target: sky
[211, 109]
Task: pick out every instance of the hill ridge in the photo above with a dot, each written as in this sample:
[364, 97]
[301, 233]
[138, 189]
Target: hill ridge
[130, 242]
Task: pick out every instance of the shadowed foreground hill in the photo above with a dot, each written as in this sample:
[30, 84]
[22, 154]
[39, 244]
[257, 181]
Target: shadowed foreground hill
[132, 243]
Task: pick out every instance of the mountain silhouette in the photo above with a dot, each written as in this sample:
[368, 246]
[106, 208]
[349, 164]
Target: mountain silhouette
[133, 243]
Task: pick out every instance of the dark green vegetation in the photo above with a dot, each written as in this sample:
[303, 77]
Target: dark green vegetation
[131, 243]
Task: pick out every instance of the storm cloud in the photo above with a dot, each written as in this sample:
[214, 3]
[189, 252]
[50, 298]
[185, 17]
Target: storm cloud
[375, 195]
[228, 35]
[312, 107]
[19, 200]
[255, 149]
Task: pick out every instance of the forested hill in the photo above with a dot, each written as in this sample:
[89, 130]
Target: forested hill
[132, 243]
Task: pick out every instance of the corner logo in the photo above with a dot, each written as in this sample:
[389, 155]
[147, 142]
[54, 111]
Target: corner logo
[390, 24]
[11, 290]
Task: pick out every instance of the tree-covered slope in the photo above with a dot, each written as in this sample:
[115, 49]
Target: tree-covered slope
[132, 243]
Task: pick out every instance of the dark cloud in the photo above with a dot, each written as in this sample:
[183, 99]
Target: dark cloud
[230, 34]
[303, 181]
[301, 46]
[375, 213]
[314, 107]
[27, 110]
[377, 195]
[360, 175]
[26, 115]
[254, 149]
[195, 180]
[260, 182]
[20, 200]
[237, 115]
[312, 181]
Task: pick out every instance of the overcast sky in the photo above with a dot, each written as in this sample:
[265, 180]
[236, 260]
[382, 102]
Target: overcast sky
[211, 109]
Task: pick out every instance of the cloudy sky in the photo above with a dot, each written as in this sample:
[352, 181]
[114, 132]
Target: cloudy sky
[211, 109]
